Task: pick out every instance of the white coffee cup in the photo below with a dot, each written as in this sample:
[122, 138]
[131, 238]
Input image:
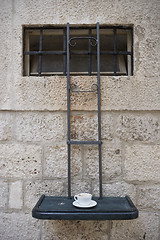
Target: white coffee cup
[83, 199]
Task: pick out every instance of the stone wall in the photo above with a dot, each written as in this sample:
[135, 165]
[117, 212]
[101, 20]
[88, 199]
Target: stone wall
[33, 153]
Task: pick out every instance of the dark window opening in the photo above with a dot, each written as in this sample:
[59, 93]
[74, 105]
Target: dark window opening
[45, 51]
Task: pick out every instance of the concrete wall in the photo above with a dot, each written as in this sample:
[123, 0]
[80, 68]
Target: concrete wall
[33, 155]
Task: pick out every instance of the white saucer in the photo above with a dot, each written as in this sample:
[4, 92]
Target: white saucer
[92, 204]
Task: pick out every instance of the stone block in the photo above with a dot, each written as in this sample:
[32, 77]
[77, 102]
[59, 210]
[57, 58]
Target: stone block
[149, 52]
[39, 127]
[129, 93]
[29, 12]
[111, 162]
[56, 163]
[145, 227]
[20, 161]
[15, 195]
[107, 126]
[18, 226]
[34, 189]
[80, 186]
[6, 120]
[148, 196]
[6, 54]
[117, 189]
[142, 128]
[83, 100]
[3, 193]
[30, 93]
[142, 163]
[17, 51]
[117, 93]
[6, 37]
[69, 230]
[85, 126]
[76, 161]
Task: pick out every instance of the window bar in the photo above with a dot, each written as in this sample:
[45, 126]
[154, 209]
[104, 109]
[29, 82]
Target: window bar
[40, 55]
[45, 52]
[90, 55]
[115, 51]
[131, 52]
[24, 45]
[95, 53]
[64, 49]
[68, 114]
[112, 53]
[99, 112]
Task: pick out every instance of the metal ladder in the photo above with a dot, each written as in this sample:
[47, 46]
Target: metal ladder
[69, 141]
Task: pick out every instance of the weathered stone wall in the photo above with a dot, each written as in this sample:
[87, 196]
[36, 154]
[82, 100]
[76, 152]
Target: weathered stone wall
[33, 153]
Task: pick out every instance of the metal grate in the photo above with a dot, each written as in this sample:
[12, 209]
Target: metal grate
[108, 56]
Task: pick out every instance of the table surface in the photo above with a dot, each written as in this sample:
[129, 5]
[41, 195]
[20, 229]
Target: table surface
[107, 208]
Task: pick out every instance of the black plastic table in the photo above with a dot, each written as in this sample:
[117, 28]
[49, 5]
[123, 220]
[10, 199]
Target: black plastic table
[107, 208]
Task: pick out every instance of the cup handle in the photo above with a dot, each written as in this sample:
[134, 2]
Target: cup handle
[75, 198]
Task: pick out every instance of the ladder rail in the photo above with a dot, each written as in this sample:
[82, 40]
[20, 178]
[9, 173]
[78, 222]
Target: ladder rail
[68, 114]
[99, 112]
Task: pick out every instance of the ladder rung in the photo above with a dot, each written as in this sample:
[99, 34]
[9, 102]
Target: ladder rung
[84, 142]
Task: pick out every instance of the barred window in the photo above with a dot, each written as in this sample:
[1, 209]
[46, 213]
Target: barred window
[45, 50]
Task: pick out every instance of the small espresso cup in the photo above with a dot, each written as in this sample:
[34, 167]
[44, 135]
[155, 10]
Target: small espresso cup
[83, 199]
